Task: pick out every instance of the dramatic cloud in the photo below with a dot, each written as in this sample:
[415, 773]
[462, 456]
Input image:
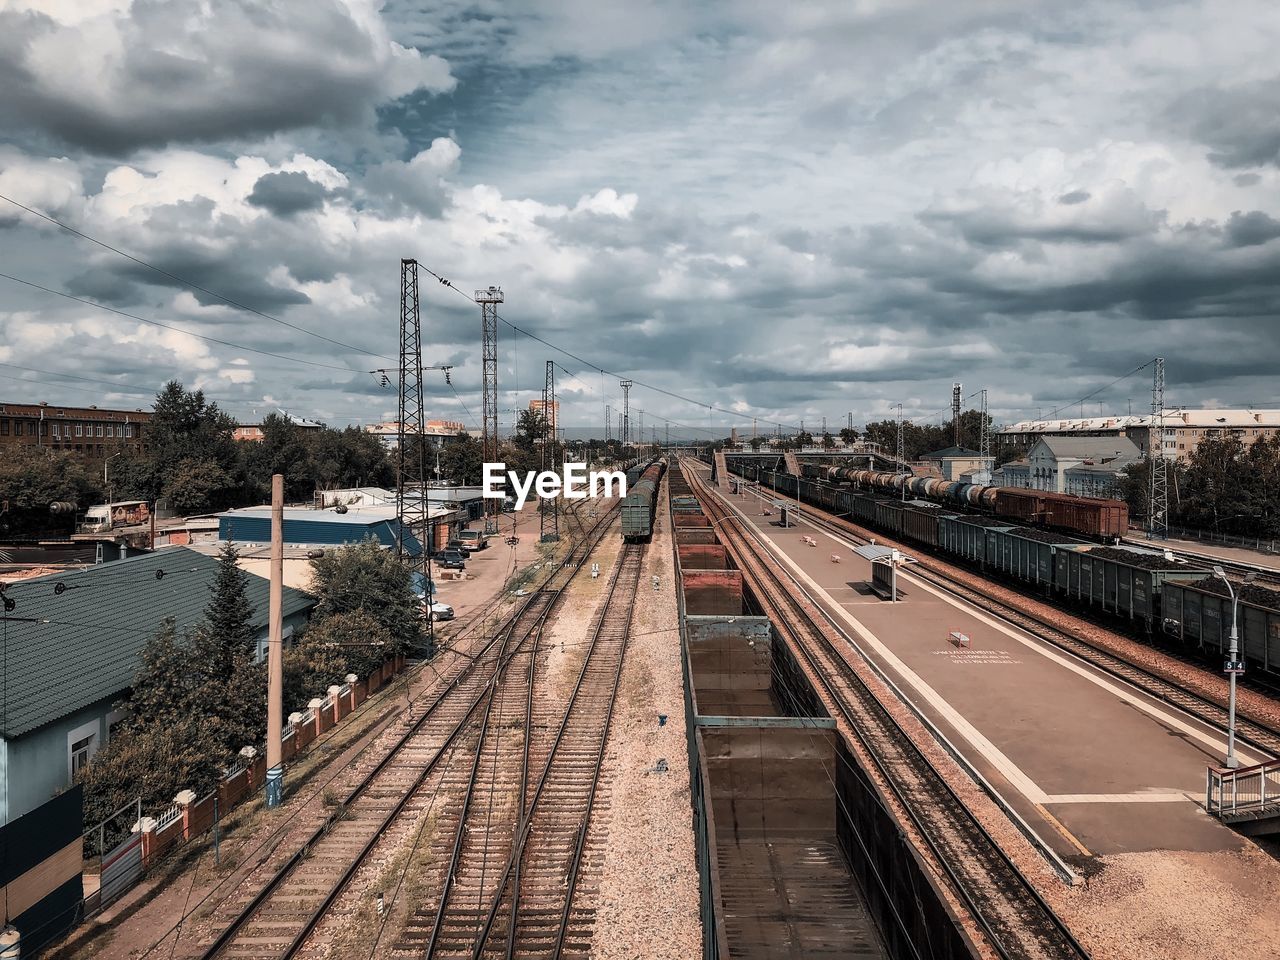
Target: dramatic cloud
[114, 76]
[790, 211]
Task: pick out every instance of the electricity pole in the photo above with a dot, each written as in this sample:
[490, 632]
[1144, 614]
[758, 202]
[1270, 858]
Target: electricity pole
[489, 300]
[549, 507]
[412, 499]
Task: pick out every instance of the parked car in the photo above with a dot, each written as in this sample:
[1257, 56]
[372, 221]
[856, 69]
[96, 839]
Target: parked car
[451, 559]
[440, 611]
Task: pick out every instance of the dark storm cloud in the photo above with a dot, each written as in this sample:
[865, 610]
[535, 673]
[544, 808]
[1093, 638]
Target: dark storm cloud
[1239, 124]
[286, 194]
[1250, 229]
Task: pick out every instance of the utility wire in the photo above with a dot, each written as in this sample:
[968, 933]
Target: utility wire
[188, 283]
[594, 366]
[166, 326]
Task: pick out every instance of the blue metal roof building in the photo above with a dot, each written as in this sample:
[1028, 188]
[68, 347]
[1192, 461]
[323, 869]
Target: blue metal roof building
[304, 527]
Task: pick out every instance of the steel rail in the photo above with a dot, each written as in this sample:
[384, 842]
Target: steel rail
[987, 860]
[631, 555]
[282, 873]
[572, 564]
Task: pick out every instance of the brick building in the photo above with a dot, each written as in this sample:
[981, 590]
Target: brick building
[94, 432]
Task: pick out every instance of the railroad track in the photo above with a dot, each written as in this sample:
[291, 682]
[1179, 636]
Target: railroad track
[300, 886]
[1256, 734]
[1003, 902]
[542, 907]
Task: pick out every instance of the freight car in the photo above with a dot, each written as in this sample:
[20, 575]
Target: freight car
[638, 505]
[1086, 516]
[1146, 589]
[1199, 614]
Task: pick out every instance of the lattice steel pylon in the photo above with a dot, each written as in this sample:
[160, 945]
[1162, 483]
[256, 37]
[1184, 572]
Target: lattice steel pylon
[1158, 495]
[902, 458]
[626, 411]
[549, 507]
[489, 300]
[608, 423]
[957, 400]
[412, 505]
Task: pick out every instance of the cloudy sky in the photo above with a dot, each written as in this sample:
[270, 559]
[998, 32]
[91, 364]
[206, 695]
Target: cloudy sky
[790, 211]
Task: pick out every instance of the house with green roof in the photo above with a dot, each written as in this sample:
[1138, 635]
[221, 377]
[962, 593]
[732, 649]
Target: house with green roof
[71, 644]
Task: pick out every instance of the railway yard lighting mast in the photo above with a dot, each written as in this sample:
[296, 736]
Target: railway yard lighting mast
[1158, 498]
[489, 300]
[957, 399]
[626, 411]
[1234, 666]
[902, 457]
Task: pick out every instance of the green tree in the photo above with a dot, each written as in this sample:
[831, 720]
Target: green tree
[196, 485]
[461, 459]
[184, 426]
[848, 435]
[167, 687]
[331, 648]
[229, 614]
[365, 577]
[531, 426]
[828, 442]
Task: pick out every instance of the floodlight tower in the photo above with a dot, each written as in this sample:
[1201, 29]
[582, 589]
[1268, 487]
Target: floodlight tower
[489, 300]
[411, 454]
[957, 398]
[626, 411]
[549, 507]
[1158, 498]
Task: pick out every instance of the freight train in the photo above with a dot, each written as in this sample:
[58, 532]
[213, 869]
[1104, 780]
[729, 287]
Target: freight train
[641, 500]
[1147, 589]
[1059, 511]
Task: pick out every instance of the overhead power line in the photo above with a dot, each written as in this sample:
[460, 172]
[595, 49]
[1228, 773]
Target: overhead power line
[229, 301]
[166, 326]
[595, 366]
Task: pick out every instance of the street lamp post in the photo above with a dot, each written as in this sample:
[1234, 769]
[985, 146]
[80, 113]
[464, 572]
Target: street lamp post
[1234, 666]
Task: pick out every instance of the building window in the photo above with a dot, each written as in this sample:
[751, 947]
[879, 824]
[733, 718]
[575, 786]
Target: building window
[55, 431]
[128, 430]
[31, 428]
[99, 429]
[4, 428]
[79, 429]
[82, 744]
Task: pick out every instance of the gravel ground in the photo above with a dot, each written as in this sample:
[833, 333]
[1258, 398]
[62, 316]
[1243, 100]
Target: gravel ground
[648, 893]
[1180, 905]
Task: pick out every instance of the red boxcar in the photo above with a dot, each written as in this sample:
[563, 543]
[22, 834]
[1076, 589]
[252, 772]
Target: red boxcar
[1084, 515]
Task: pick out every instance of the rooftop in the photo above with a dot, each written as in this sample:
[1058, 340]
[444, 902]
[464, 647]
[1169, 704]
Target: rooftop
[1098, 449]
[73, 638]
[951, 453]
[1172, 417]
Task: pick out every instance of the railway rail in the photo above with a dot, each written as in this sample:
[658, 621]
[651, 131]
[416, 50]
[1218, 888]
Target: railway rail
[302, 886]
[532, 909]
[1250, 731]
[1002, 901]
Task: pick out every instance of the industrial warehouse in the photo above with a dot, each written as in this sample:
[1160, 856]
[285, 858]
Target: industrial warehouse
[620, 481]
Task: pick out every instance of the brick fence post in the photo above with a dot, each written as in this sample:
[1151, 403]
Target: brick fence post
[351, 681]
[185, 799]
[334, 692]
[147, 827]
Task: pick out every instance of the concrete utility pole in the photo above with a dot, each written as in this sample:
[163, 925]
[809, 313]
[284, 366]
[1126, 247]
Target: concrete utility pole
[275, 649]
